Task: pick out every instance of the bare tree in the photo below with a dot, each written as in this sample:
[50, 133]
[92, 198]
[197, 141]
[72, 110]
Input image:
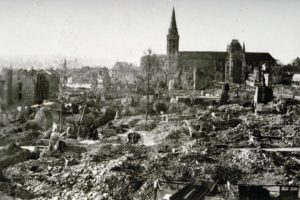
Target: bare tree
[149, 66]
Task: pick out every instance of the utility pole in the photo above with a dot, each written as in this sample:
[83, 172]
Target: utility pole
[61, 117]
[148, 65]
[147, 104]
[80, 123]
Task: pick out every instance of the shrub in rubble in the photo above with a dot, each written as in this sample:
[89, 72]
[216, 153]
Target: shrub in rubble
[257, 168]
[174, 135]
[177, 108]
[129, 167]
[144, 125]
[159, 107]
[296, 178]
[224, 98]
[224, 173]
[187, 174]
[288, 166]
[277, 158]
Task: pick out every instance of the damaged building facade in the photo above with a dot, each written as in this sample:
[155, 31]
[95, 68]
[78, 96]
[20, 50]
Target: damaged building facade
[88, 75]
[23, 87]
[124, 73]
[199, 68]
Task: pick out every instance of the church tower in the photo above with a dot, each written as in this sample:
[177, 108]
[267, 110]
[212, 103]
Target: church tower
[172, 48]
[235, 66]
[173, 37]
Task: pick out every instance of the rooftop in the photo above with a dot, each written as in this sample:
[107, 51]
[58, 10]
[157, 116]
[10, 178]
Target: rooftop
[296, 78]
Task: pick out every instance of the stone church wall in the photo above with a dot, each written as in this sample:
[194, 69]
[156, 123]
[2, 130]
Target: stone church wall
[200, 73]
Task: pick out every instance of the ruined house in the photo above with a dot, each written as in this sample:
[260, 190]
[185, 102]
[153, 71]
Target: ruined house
[23, 87]
[47, 85]
[6, 87]
[103, 78]
[199, 68]
[102, 83]
[296, 80]
[88, 77]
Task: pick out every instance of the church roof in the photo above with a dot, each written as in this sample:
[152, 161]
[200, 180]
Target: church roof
[235, 46]
[259, 57]
[221, 55]
[205, 55]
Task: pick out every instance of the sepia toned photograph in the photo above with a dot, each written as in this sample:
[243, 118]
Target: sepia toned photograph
[150, 99]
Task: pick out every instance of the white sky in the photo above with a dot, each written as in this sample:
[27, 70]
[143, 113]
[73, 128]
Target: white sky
[123, 29]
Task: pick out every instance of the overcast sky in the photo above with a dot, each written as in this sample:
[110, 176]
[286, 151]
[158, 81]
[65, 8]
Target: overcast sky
[123, 29]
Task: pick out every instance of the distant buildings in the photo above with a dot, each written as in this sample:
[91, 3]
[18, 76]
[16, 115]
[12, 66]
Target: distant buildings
[103, 79]
[123, 72]
[89, 79]
[83, 75]
[27, 87]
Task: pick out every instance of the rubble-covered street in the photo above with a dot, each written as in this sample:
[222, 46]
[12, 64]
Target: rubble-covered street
[104, 154]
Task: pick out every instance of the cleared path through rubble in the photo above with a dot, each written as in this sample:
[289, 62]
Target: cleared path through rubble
[30, 148]
[148, 138]
[281, 149]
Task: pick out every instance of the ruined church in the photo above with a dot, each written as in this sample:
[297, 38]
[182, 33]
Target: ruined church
[198, 68]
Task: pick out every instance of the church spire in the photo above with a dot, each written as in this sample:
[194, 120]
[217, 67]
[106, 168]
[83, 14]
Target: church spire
[173, 37]
[173, 26]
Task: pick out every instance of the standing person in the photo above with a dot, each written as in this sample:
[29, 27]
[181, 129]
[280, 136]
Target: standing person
[93, 132]
[20, 116]
[54, 138]
[156, 187]
[225, 95]
[130, 137]
[1, 108]
[1, 112]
